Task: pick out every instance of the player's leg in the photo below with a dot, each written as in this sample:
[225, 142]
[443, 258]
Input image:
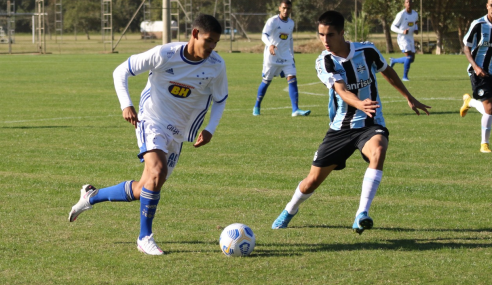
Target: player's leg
[409, 58]
[290, 71]
[469, 102]
[267, 76]
[486, 125]
[374, 151]
[303, 191]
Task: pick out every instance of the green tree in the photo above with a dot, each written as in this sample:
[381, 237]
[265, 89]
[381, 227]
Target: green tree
[82, 14]
[442, 18]
[363, 27]
[474, 10]
[384, 11]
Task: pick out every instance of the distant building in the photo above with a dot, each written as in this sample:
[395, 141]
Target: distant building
[153, 29]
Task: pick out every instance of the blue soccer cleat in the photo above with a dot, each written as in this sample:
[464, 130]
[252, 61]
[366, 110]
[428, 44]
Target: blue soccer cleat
[300, 112]
[283, 220]
[256, 111]
[362, 222]
[392, 63]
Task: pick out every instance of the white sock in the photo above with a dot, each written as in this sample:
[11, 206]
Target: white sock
[477, 105]
[297, 199]
[486, 125]
[370, 185]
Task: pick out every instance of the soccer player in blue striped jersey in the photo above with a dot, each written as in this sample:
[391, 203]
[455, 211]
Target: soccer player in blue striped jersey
[405, 25]
[349, 71]
[278, 57]
[478, 51]
[184, 79]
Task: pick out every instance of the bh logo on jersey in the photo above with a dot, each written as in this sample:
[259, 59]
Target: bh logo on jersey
[180, 90]
[283, 36]
[411, 24]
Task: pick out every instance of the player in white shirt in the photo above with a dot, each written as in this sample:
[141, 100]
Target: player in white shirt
[405, 24]
[184, 80]
[278, 57]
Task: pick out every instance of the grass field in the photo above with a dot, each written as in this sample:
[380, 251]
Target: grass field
[61, 128]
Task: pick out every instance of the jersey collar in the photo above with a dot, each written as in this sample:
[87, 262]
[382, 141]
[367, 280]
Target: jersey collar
[181, 52]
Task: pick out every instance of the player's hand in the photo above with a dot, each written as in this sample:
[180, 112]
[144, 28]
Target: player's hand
[416, 32]
[368, 107]
[416, 105]
[272, 49]
[480, 72]
[203, 139]
[130, 115]
[405, 32]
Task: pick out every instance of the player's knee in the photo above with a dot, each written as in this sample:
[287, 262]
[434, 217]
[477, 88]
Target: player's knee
[266, 81]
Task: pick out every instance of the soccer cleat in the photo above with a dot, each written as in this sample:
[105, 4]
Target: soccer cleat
[485, 148]
[283, 220]
[392, 63]
[256, 111]
[300, 112]
[362, 222]
[405, 79]
[466, 105]
[83, 204]
[147, 245]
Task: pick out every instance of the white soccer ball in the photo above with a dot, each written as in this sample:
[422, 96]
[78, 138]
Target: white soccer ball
[237, 240]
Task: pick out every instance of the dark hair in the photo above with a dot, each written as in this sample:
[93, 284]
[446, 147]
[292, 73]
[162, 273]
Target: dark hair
[207, 24]
[332, 18]
[286, 2]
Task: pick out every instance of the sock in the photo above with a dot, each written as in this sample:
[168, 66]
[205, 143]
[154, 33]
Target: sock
[262, 89]
[370, 185]
[148, 206]
[293, 93]
[406, 66]
[122, 192]
[486, 125]
[399, 60]
[297, 199]
[477, 105]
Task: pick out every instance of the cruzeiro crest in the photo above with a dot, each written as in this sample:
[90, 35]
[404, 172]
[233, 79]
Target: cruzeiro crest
[361, 68]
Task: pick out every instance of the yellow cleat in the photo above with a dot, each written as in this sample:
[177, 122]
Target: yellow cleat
[485, 148]
[466, 105]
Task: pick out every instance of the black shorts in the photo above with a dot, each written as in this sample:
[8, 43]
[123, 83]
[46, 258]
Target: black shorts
[481, 86]
[338, 146]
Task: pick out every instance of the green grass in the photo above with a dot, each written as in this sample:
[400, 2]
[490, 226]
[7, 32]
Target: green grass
[61, 127]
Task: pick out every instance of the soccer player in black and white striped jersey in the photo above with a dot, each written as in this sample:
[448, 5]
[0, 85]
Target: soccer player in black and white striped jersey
[478, 51]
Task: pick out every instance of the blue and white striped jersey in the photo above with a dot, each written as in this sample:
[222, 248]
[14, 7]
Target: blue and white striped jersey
[358, 71]
[179, 92]
[478, 39]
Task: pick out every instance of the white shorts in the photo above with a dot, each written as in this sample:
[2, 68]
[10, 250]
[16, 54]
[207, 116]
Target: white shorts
[406, 44]
[270, 70]
[150, 136]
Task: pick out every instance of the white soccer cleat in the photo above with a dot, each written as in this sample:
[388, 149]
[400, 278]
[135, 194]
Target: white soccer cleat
[147, 245]
[83, 204]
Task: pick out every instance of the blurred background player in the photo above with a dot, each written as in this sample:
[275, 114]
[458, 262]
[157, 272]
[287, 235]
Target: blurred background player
[184, 79]
[405, 24]
[478, 50]
[278, 57]
[357, 122]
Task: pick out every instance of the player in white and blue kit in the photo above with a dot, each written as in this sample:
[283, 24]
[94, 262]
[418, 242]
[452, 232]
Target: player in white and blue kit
[278, 57]
[349, 71]
[478, 51]
[184, 79]
[405, 25]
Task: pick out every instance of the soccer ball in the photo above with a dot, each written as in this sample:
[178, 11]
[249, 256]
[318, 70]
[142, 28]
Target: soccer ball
[237, 240]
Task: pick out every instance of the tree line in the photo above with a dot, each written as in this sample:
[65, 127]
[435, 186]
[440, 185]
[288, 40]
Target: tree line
[446, 16]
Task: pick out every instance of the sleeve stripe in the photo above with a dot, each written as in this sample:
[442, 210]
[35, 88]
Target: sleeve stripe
[130, 67]
[222, 99]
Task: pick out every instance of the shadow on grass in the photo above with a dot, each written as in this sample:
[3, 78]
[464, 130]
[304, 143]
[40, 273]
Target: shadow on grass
[398, 229]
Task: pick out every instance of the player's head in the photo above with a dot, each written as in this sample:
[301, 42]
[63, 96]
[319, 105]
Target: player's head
[331, 30]
[408, 5]
[205, 35]
[489, 9]
[285, 9]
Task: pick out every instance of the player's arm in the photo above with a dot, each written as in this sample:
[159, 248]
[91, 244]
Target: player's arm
[390, 75]
[395, 26]
[367, 106]
[266, 36]
[478, 70]
[134, 65]
[219, 97]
